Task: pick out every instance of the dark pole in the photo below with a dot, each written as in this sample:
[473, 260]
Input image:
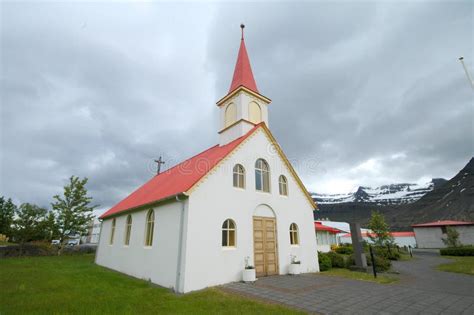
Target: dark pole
[373, 261]
[409, 250]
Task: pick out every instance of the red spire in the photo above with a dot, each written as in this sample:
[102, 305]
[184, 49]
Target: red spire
[243, 75]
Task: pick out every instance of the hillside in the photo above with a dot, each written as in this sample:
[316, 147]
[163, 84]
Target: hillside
[453, 199]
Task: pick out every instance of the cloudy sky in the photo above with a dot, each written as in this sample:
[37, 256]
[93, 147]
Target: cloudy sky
[363, 93]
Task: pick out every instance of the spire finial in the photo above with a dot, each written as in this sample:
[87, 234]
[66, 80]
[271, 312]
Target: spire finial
[242, 26]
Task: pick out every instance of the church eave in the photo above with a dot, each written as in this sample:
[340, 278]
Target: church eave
[242, 88]
[149, 205]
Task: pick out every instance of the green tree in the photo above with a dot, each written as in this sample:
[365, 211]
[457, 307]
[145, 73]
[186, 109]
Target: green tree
[452, 237]
[380, 228]
[28, 223]
[7, 213]
[49, 227]
[73, 209]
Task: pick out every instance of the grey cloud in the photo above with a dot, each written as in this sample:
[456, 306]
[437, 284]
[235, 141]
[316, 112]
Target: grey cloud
[99, 90]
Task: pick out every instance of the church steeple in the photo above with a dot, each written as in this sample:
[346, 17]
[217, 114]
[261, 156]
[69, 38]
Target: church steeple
[243, 75]
[243, 107]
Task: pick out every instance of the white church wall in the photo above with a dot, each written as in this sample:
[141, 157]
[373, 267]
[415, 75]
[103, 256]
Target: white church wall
[215, 200]
[157, 263]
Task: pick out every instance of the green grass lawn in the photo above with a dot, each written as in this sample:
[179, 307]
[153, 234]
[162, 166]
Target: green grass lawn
[356, 275]
[459, 265]
[75, 285]
[405, 257]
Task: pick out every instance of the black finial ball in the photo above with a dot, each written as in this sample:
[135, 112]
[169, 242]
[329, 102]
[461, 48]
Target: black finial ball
[242, 26]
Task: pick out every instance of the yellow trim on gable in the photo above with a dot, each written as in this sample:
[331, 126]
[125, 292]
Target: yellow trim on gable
[212, 170]
[290, 167]
[279, 150]
[235, 123]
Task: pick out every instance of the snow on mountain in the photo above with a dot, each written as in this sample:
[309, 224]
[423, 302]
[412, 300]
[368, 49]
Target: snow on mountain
[387, 194]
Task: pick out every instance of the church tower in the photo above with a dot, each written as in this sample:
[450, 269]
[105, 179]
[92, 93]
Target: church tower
[243, 107]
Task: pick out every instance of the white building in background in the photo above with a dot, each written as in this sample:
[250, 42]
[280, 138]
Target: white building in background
[400, 238]
[326, 236]
[239, 202]
[93, 233]
[431, 234]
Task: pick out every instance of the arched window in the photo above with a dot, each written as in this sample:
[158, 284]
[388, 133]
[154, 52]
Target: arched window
[228, 233]
[283, 185]
[262, 175]
[150, 226]
[112, 232]
[230, 115]
[294, 238]
[255, 112]
[128, 229]
[239, 176]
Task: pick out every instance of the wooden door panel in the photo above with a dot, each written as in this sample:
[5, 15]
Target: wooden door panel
[265, 246]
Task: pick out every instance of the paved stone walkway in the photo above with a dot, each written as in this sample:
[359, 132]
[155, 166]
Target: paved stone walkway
[421, 290]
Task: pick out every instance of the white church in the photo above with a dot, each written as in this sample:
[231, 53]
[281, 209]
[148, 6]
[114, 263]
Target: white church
[237, 204]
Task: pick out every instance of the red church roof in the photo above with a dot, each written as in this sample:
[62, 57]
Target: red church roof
[243, 75]
[442, 223]
[177, 179]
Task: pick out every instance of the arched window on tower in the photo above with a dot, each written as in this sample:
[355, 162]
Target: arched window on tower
[230, 115]
[239, 176]
[262, 175]
[255, 112]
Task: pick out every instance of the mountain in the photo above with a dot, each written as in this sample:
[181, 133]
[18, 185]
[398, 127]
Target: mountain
[392, 194]
[453, 199]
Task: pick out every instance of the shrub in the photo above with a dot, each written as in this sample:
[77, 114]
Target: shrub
[381, 263]
[349, 261]
[3, 238]
[324, 261]
[79, 250]
[457, 251]
[393, 254]
[337, 260]
[27, 249]
[345, 250]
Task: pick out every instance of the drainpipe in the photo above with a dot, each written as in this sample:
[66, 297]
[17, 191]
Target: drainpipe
[98, 241]
[179, 266]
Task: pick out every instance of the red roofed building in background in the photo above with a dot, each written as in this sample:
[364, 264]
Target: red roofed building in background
[325, 236]
[399, 238]
[235, 204]
[431, 234]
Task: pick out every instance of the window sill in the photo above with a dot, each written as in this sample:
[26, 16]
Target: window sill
[295, 245]
[263, 192]
[239, 188]
[147, 247]
[226, 248]
[126, 246]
